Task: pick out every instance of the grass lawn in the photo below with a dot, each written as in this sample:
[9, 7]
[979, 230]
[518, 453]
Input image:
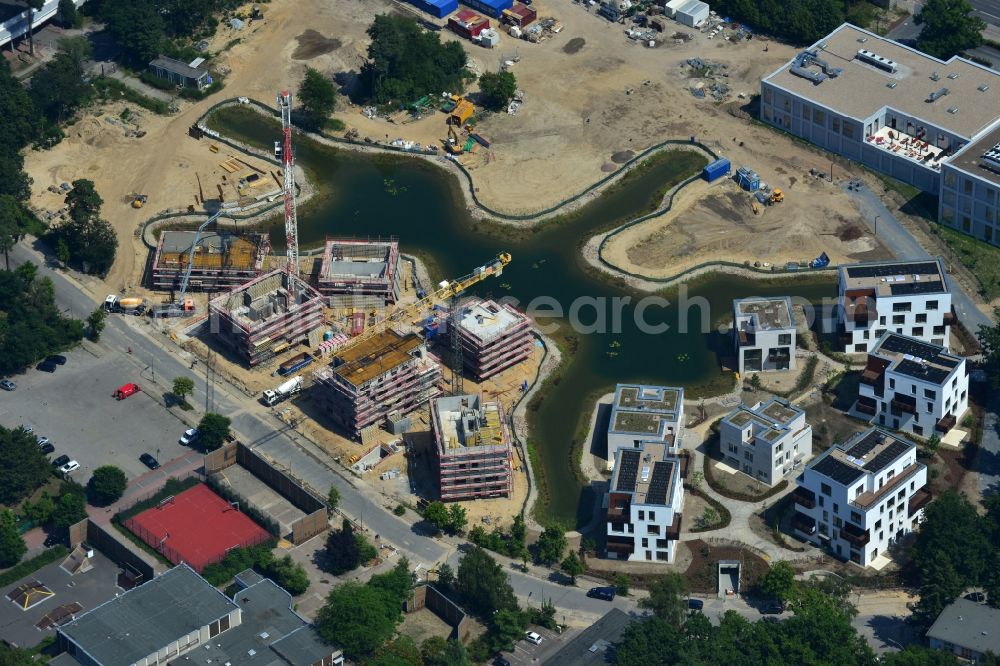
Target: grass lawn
[976, 255]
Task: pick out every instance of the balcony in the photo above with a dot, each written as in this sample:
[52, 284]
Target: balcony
[919, 500]
[950, 318]
[621, 546]
[945, 423]
[855, 534]
[619, 508]
[804, 497]
[804, 524]
[674, 531]
[866, 405]
[903, 403]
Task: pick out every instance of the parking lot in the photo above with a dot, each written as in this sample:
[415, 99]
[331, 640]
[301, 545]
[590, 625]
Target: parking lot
[526, 652]
[75, 409]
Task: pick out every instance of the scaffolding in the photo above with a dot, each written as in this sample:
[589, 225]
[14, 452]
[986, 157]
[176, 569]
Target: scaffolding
[366, 269]
[473, 448]
[220, 260]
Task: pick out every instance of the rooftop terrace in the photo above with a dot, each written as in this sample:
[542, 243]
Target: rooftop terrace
[915, 358]
[350, 259]
[766, 314]
[653, 398]
[861, 89]
[772, 419]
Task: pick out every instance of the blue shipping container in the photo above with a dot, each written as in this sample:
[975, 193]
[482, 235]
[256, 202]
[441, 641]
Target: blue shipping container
[492, 8]
[716, 169]
[436, 8]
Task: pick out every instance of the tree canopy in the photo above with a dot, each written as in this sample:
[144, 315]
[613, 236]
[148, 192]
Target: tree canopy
[498, 89]
[949, 27]
[317, 99]
[213, 430]
[106, 486]
[23, 466]
[550, 545]
[483, 584]
[406, 62]
[90, 240]
[798, 21]
[346, 550]
[12, 546]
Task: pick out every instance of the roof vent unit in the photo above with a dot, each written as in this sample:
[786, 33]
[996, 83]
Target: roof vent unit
[862, 40]
[891, 84]
[953, 75]
[935, 77]
[992, 158]
[876, 60]
[937, 94]
[983, 88]
[953, 110]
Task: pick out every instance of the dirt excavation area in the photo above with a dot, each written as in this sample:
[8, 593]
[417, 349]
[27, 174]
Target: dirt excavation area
[718, 222]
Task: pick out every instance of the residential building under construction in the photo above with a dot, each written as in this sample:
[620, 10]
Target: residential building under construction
[220, 260]
[473, 448]
[494, 337]
[360, 273]
[266, 315]
[388, 372]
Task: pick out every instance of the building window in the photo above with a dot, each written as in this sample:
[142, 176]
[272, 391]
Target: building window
[930, 407]
[819, 117]
[918, 331]
[921, 318]
[930, 393]
[966, 186]
[642, 515]
[855, 517]
[835, 122]
[652, 515]
[825, 489]
[918, 430]
[966, 224]
[931, 305]
[949, 176]
[905, 306]
[748, 456]
[898, 319]
[785, 339]
[939, 330]
[892, 383]
[848, 130]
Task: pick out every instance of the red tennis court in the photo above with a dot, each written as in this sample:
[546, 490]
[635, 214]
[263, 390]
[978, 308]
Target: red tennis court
[196, 527]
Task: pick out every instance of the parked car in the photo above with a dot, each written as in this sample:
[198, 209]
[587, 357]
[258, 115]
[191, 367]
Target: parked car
[42, 441]
[126, 390]
[773, 608]
[501, 661]
[60, 461]
[189, 436]
[696, 604]
[69, 467]
[8, 385]
[47, 448]
[27, 429]
[149, 461]
[58, 359]
[46, 366]
[978, 597]
[532, 637]
[606, 593]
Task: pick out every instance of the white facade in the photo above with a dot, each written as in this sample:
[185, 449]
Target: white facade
[17, 26]
[970, 189]
[913, 386]
[766, 441]
[910, 298]
[764, 334]
[643, 413]
[858, 498]
[644, 504]
[692, 13]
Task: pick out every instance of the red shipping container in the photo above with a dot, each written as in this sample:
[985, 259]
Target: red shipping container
[357, 323]
[468, 23]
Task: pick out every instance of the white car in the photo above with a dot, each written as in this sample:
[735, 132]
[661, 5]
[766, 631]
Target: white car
[71, 466]
[189, 436]
[532, 637]
[42, 441]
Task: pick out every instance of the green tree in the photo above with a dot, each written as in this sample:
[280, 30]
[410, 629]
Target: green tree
[12, 546]
[400, 652]
[649, 642]
[284, 571]
[213, 431]
[949, 27]
[41, 511]
[23, 466]
[953, 529]
[58, 88]
[498, 89]
[754, 382]
[358, 618]
[14, 181]
[19, 117]
[551, 545]
[457, 519]
[940, 584]
[342, 551]
[484, 584]
[106, 486]
[989, 340]
[70, 509]
[62, 251]
[137, 28]
[83, 201]
[91, 241]
[779, 581]
[667, 599]
[15, 656]
[445, 577]
[182, 388]
[96, 321]
[317, 99]
[398, 582]
[436, 651]
[572, 566]
[31, 326]
[918, 655]
[14, 221]
[436, 514]
[333, 498]
[68, 16]
[621, 583]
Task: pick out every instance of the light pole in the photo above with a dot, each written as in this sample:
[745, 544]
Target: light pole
[876, 224]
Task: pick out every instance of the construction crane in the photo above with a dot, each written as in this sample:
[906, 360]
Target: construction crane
[284, 152]
[445, 291]
[184, 307]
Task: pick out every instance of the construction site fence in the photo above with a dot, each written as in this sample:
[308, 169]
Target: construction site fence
[117, 550]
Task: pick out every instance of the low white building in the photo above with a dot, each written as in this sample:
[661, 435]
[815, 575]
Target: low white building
[858, 498]
[764, 334]
[643, 413]
[907, 297]
[644, 504]
[691, 13]
[913, 386]
[766, 441]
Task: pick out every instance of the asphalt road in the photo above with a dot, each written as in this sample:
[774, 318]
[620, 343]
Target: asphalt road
[988, 10]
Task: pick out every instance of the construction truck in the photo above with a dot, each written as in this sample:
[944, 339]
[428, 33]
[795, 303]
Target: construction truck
[777, 196]
[133, 305]
[139, 200]
[182, 308]
[286, 390]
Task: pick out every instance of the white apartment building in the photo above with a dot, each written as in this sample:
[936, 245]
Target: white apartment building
[764, 334]
[766, 441]
[906, 297]
[857, 498]
[910, 385]
[643, 413]
[644, 504]
[931, 123]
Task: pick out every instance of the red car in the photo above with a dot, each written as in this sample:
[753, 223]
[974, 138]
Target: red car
[127, 390]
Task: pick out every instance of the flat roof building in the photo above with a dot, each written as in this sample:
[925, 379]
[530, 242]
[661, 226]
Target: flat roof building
[472, 447]
[268, 311]
[764, 331]
[595, 645]
[967, 629]
[221, 260]
[907, 297]
[913, 386]
[388, 372]
[181, 73]
[172, 615]
[766, 441]
[494, 337]
[858, 498]
[901, 112]
[360, 273]
[644, 504]
[643, 413]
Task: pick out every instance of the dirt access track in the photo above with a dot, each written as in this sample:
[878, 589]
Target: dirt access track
[578, 124]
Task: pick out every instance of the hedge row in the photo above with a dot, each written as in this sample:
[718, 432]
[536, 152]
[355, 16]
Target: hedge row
[171, 487]
[732, 494]
[724, 514]
[19, 571]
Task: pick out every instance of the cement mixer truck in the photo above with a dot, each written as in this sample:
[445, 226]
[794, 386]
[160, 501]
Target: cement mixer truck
[286, 390]
[125, 304]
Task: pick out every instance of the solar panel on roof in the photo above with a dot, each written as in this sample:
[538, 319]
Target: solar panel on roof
[890, 453]
[863, 446]
[660, 483]
[628, 469]
[930, 287]
[883, 270]
[899, 344]
[839, 471]
[922, 371]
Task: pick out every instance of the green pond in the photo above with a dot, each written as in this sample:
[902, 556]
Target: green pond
[365, 195]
